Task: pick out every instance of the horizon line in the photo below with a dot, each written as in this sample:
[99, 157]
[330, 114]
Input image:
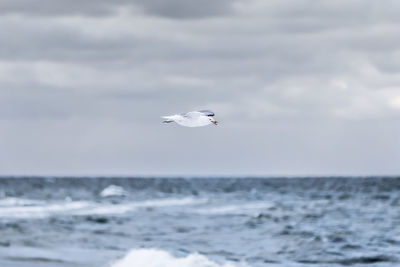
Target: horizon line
[147, 176]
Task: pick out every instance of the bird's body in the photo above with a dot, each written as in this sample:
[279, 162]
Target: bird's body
[192, 119]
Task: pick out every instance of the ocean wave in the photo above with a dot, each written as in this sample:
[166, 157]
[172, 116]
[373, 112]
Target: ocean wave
[32, 209]
[40, 211]
[238, 209]
[123, 208]
[113, 190]
[172, 202]
[14, 201]
[161, 258]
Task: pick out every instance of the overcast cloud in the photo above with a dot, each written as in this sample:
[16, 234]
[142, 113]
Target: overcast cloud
[299, 87]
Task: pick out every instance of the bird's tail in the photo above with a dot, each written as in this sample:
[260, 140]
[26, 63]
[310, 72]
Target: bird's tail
[168, 119]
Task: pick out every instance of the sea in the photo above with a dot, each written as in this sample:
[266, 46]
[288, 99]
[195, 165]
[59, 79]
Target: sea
[199, 222]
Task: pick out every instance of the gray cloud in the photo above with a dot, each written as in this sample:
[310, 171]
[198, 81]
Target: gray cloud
[59, 7]
[178, 9]
[186, 9]
[300, 87]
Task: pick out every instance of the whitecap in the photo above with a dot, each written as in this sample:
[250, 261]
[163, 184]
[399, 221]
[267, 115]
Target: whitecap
[172, 202]
[13, 201]
[123, 208]
[113, 190]
[39, 209]
[161, 258]
[238, 209]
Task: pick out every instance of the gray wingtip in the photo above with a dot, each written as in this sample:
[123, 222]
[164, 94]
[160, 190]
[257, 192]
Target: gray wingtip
[207, 112]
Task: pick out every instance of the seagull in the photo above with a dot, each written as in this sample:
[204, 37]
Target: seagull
[192, 119]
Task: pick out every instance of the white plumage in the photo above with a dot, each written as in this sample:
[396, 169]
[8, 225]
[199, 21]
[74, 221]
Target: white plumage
[192, 119]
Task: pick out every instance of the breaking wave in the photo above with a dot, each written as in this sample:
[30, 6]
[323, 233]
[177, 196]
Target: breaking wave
[161, 258]
[112, 191]
[26, 208]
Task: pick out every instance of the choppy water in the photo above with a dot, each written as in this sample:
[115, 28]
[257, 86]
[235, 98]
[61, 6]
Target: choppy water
[129, 222]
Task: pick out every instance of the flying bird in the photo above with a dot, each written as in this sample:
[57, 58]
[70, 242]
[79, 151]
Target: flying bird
[192, 119]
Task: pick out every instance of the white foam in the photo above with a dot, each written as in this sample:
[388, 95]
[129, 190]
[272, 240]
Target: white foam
[172, 202]
[247, 208]
[38, 209]
[42, 210]
[113, 190]
[123, 208]
[161, 258]
[13, 201]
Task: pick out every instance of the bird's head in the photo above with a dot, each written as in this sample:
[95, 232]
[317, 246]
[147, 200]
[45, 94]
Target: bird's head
[213, 121]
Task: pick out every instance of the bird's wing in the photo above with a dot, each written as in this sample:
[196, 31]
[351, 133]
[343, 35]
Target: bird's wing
[207, 113]
[193, 114]
[168, 119]
[185, 115]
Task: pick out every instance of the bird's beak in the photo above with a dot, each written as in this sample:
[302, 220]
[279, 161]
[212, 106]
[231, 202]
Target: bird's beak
[215, 122]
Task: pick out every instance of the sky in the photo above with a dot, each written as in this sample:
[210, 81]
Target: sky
[300, 87]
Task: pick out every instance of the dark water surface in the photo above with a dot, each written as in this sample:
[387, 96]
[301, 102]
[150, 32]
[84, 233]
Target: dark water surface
[199, 222]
